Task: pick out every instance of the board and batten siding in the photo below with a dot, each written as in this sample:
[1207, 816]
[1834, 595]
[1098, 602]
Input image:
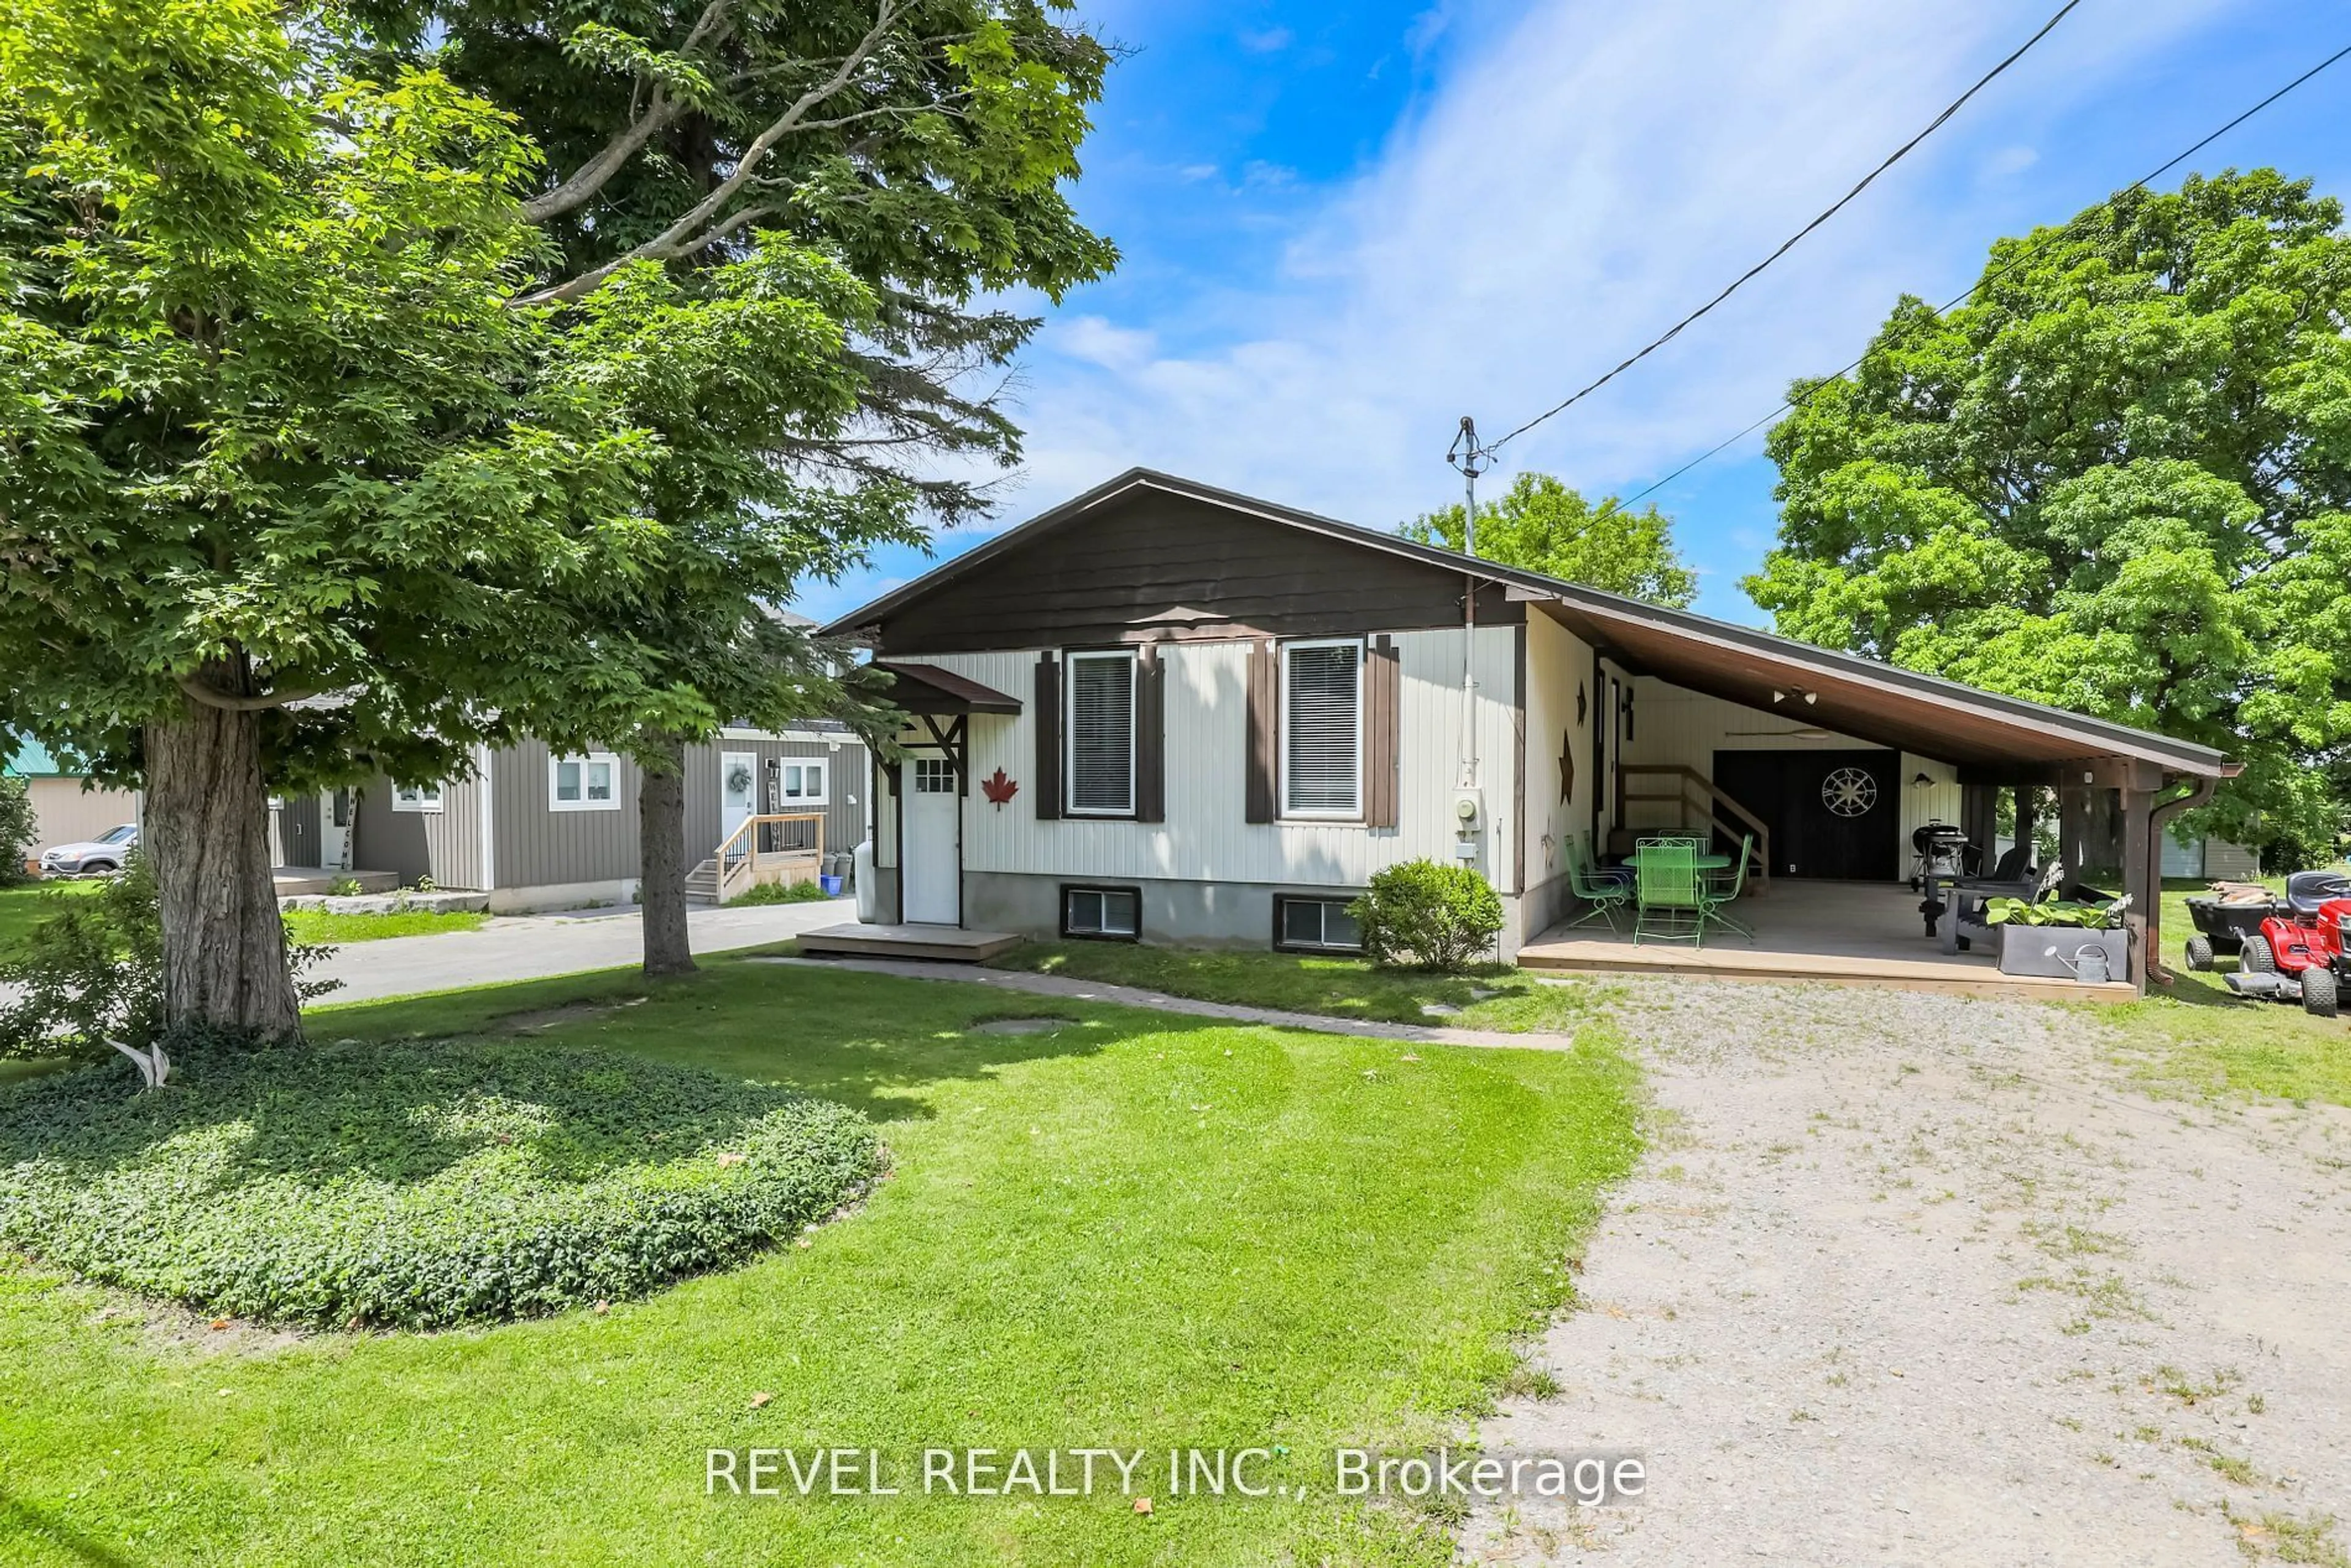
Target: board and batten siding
[1672, 724]
[539, 847]
[1150, 565]
[445, 846]
[295, 836]
[845, 787]
[1206, 835]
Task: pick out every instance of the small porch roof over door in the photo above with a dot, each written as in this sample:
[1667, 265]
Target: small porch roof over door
[928, 689]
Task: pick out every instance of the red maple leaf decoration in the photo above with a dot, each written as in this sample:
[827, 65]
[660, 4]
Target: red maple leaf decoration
[997, 787]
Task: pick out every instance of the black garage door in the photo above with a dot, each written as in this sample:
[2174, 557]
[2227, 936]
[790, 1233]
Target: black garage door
[1834, 814]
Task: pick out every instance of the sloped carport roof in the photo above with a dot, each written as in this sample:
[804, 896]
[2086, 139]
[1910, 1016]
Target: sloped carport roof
[1865, 698]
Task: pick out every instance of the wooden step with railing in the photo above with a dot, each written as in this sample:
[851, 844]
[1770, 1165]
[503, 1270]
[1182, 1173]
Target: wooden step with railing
[1694, 795]
[772, 846]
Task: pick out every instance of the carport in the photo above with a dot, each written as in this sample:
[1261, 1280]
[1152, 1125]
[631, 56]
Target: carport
[2115, 787]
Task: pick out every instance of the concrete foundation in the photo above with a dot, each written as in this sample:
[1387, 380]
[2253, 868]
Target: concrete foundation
[1176, 912]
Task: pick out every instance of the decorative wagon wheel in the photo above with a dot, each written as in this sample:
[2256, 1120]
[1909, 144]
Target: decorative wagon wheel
[1849, 792]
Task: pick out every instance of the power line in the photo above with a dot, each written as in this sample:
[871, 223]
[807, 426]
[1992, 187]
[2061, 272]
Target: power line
[2018, 259]
[1790, 243]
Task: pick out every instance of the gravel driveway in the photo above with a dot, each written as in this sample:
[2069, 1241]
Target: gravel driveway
[1921, 1279]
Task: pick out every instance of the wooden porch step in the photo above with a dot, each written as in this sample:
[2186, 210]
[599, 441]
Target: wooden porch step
[945, 944]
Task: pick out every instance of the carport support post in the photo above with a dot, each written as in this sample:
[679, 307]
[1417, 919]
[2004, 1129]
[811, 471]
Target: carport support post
[2138, 881]
[2070, 813]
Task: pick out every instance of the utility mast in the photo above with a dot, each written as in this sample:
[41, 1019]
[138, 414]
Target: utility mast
[1472, 459]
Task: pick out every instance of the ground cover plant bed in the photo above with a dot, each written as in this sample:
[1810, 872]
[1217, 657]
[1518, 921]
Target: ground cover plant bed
[1494, 997]
[1135, 1230]
[416, 1185]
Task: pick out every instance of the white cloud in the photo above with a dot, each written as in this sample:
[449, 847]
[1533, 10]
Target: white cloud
[1574, 185]
[1099, 342]
[1265, 42]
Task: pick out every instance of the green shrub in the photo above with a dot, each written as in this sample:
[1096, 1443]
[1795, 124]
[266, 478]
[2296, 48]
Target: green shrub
[18, 828]
[1428, 915]
[418, 1184]
[94, 971]
[781, 893]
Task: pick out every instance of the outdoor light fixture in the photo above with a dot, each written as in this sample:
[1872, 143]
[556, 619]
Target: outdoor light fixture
[1779, 696]
[1922, 782]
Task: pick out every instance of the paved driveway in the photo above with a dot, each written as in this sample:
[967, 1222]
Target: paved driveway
[533, 946]
[1921, 1279]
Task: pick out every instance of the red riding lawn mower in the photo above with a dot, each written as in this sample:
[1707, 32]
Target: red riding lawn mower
[2296, 955]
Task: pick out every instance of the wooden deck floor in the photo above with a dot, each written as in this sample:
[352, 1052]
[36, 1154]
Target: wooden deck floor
[1841, 933]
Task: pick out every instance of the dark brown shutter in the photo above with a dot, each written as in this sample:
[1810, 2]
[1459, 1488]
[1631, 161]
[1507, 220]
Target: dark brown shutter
[1383, 694]
[1045, 788]
[1264, 697]
[1150, 737]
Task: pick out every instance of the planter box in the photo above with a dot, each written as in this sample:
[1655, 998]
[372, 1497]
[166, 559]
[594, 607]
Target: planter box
[2024, 950]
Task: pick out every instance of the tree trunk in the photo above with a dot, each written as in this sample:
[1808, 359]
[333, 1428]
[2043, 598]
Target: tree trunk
[208, 829]
[661, 851]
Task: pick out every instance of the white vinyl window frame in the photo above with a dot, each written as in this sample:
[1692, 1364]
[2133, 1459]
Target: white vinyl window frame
[585, 798]
[805, 771]
[416, 798]
[1070, 662]
[1290, 811]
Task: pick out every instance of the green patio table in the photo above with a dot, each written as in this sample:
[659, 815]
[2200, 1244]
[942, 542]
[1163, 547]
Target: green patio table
[1703, 862]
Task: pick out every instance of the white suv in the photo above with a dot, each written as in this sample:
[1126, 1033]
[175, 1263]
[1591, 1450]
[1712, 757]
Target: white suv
[103, 855]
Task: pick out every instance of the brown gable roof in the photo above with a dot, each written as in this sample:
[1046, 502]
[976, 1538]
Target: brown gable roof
[1857, 695]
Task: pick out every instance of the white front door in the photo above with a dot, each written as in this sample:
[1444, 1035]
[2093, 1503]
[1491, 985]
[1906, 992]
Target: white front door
[335, 830]
[931, 874]
[739, 786]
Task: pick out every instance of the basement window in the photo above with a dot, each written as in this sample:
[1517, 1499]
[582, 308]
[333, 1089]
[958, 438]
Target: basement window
[1316, 925]
[1105, 914]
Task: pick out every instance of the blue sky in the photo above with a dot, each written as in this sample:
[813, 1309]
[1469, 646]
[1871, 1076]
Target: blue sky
[1345, 226]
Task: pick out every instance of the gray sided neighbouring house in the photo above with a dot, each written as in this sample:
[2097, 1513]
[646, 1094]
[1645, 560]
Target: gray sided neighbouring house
[538, 832]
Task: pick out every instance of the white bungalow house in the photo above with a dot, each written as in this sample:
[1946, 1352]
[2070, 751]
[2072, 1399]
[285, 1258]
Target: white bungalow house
[1165, 712]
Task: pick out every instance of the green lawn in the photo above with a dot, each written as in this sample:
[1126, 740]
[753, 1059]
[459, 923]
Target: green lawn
[318, 926]
[2205, 1038]
[22, 908]
[1136, 1230]
[1497, 999]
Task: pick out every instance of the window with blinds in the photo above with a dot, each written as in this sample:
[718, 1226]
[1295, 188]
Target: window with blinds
[1100, 722]
[1322, 729]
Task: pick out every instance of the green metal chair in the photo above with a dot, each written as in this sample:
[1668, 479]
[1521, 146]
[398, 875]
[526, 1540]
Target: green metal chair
[1718, 890]
[1604, 894]
[1671, 903]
